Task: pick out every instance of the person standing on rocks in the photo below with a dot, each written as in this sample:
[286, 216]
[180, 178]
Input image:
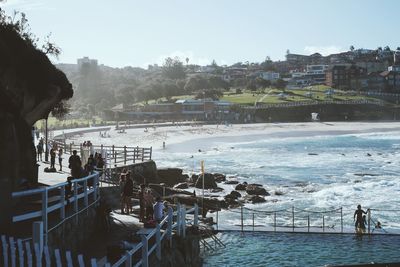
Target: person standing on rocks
[52, 158]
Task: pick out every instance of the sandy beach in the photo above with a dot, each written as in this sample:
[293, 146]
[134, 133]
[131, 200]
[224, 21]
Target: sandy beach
[203, 134]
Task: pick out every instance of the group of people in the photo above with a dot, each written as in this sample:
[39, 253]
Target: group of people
[53, 152]
[150, 209]
[93, 162]
[361, 220]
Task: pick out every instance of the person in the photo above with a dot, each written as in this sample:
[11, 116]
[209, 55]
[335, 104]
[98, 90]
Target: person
[100, 162]
[75, 164]
[141, 202]
[52, 158]
[358, 217]
[158, 210]
[91, 162]
[60, 154]
[148, 199]
[128, 193]
[39, 149]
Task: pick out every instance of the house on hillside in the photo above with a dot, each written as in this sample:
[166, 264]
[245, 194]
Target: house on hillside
[392, 80]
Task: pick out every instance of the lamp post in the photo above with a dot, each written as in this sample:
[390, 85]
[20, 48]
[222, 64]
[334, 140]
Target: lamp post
[46, 154]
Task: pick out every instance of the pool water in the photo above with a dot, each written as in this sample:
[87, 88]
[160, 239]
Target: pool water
[296, 249]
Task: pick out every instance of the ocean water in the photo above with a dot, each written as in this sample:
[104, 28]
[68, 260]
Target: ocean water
[316, 173]
[283, 249]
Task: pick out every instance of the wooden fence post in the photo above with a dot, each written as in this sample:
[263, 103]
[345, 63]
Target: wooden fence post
[28, 254]
[369, 221]
[308, 222]
[323, 223]
[12, 252]
[21, 253]
[253, 221]
[274, 221]
[113, 153]
[70, 148]
[151, 152]
[57, 255]
[37, 235]
[142, 154]
[178, 218]
[5, 250]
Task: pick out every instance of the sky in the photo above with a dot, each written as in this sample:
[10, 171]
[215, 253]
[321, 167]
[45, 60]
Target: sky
[122, 33]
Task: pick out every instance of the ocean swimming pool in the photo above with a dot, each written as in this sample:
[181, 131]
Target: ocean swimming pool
[297, 249]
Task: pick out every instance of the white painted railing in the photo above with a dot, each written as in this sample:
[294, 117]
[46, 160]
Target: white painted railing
[83, 188]
[147, 233]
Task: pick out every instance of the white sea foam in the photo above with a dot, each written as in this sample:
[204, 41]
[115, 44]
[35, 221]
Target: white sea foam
[316, 166]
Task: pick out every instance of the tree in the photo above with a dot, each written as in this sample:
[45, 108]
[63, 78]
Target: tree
[196, 83]
[173, 68]
[30, 88]
[280, 84]
[351, 48]
[387, 48]
[214, 94]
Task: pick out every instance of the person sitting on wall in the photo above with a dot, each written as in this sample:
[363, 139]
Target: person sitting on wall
[159, 210]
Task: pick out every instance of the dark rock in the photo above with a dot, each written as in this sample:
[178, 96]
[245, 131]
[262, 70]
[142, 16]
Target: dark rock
[185, 177]
[255, 199]
[256, 190]
[241, 187]
[231, 182]
[181, 186]
[194, 178]
[170, 176]
[230, 201]
[209, 181]
[235, 194]
[279, 193]
[218, 177]
[216, 190]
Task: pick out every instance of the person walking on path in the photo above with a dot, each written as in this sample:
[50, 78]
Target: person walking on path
[52, 159]
[149, 200]
[60, 158]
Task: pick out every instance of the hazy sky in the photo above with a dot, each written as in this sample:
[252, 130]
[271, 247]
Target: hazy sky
[137, 33]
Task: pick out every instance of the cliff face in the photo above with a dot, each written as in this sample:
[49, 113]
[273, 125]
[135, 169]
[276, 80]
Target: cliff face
[30, 87]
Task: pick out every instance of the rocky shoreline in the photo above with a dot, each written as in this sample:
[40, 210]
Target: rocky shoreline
[177, 186]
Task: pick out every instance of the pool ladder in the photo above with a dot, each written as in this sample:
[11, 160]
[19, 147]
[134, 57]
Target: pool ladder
[210, 242]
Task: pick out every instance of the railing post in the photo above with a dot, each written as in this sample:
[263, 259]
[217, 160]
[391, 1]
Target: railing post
[369, 221]
[293, 217]
[75, 197]
[170, 221]
[158, 241]
[178, 219]
[62, 202]
[101, 149]
[151, 152]
[274, 221]
[113, 153]
[124, 155]
[341, 219]
[129, 262]
[44, 212]
[142, 154]
[134, 154]
[37, 235]
[217, 220]
[253, 221]
[196, 215]
[183, 221]
[145, 251]
[85, 199]
[241, 216]
[70, 148]
[323, 223]
[308, 222]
